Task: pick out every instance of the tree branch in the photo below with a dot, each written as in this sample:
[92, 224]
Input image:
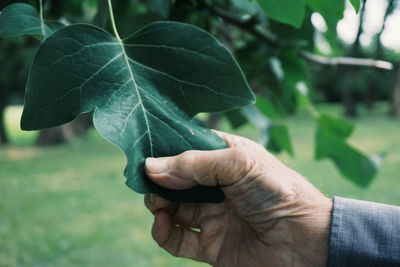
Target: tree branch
[349, 61]
[250, 25]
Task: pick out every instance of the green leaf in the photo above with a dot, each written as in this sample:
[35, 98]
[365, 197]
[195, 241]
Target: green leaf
[341, 128]
[161, 7]
[265, 107]
[332, 11]
[331, 143]
[285, 11]
[296, 79]
[144, 90]
[247, 7]
[235, 118]
[279, 139]
[22, 19]
[356, 4]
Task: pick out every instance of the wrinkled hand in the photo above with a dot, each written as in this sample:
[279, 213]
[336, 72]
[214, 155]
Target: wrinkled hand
[272, 216]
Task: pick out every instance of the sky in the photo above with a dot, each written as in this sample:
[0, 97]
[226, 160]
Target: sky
[375, 11]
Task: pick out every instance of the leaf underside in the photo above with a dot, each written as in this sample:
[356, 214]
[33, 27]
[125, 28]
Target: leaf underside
[144, 90]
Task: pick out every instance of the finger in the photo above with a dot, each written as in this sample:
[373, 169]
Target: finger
[179, 241]
[197, 215]
[154, 202]
[184, 214]
[219, 167]
[233, 140]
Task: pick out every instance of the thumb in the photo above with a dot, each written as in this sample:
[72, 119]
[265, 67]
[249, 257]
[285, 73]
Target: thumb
[218, 167]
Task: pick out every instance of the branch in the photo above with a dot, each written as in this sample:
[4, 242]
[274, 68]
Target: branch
[250, 26]
[348, 61]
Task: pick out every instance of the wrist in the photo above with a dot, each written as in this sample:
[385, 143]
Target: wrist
[314, 236]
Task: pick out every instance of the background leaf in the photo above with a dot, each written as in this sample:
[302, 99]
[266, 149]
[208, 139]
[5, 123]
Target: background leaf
[279, 139]
[286, 11]
[145, 92]
[356, 4]
[22, 19]
[162, 7]
[332, 11]
[331, 143]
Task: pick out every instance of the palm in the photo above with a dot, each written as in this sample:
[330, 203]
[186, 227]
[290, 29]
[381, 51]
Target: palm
[225, 239]
[236, 242]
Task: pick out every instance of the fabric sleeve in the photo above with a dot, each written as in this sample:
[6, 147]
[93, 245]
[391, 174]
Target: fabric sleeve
[364, 234]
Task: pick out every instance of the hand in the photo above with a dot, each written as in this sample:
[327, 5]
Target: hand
[272, 216]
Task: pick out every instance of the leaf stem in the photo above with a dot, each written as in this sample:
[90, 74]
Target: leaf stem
[41, 10]
[110, 9]
[312, 111]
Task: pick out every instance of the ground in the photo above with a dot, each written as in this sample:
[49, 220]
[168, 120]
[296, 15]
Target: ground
[69, 206]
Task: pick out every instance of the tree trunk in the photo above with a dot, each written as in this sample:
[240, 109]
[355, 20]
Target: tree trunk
[65, 133]
[3, 133]
[349, 98]
[350, 104]
[395, 105]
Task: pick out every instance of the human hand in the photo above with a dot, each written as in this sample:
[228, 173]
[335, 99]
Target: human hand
[271, 216]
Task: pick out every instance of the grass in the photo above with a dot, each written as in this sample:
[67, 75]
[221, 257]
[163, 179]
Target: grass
[68, 205]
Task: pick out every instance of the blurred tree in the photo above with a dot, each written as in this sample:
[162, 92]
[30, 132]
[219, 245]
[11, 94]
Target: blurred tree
[395, 102]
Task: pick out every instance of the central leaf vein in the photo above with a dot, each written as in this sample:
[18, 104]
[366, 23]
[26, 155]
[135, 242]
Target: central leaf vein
[139, 97]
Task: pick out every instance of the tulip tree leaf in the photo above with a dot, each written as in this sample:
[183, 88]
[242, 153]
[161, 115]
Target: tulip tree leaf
[279, 139]
[332, 11]
[286, 11]
[145, 91]
[22, 19]
[161, 7]
[356, 4]
[331, 143]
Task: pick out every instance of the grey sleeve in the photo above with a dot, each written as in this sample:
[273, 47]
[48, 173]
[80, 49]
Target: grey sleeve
[364, 234]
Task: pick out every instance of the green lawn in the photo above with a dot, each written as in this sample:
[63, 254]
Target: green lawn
[69, 206]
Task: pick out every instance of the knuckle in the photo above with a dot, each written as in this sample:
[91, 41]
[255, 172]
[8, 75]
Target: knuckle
[187, 158]
[186, 161]
[242, 161]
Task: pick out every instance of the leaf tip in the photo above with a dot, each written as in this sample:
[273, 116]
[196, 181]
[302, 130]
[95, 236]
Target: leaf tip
[26, 123]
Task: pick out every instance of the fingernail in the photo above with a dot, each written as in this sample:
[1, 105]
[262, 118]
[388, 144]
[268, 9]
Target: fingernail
[152, 198]
[157, 165]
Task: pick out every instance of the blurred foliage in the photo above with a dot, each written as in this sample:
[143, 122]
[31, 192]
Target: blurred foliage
[265, 36]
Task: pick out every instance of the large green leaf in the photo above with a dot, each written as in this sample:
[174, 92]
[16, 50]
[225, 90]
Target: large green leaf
[285, 11]
[22, 19]
[331, 143]
[145, 91]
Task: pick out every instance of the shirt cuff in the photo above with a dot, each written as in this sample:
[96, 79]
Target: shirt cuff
[364, 234]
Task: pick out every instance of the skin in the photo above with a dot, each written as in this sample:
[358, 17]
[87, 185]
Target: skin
[272, 216]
